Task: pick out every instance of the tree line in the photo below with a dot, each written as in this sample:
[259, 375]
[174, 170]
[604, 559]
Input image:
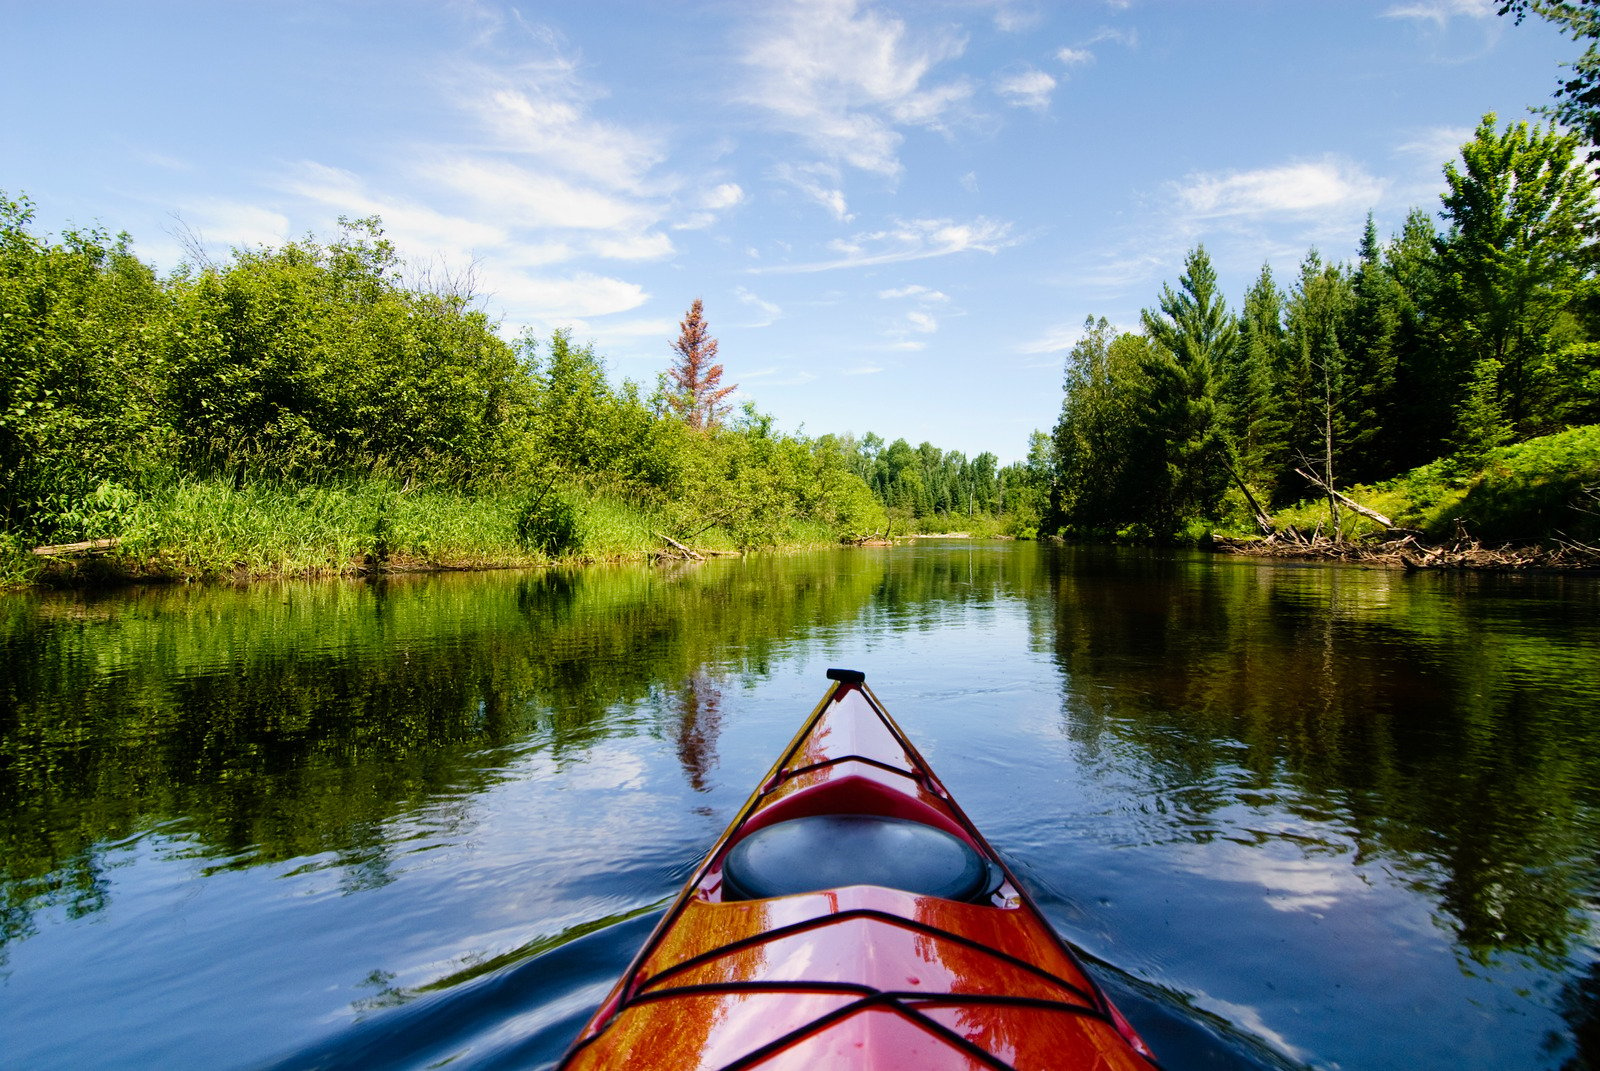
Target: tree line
[1459, 334]
[322, 361]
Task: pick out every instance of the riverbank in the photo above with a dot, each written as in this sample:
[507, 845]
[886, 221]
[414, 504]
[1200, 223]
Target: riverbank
[1406, 551]
[215, 530]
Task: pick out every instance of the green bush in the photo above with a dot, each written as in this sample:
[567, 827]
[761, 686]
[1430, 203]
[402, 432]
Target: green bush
[551, 524]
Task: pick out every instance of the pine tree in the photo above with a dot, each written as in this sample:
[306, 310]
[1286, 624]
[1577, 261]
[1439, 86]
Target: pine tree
[1318, 325]
[1254, 418]
[696, 393]
[1427, 372]
[1194, 333]
[1374, 326]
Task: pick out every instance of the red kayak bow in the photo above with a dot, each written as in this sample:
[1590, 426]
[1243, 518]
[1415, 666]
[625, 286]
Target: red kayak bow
[853, 917]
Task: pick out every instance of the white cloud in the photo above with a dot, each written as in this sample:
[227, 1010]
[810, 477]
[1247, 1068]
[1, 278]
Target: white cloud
[820, 183]
[1075, 57]
[922, 322]
[1441, 12]
[545, 118]
[917, 239]
[218, 221]
[915, 290]
[416, 229]
[1057, 339]
[863, 370]
[1290, 189]
[1436, 146]
[581, 294]
[724, 196]
[1030, 88]
[718, 199]
[537, 199]
[778, 377]
[1060, 338]
[843, 78]
[651, 246]
[770, 313]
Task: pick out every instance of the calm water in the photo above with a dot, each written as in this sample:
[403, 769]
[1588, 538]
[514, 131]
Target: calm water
[1299, 817]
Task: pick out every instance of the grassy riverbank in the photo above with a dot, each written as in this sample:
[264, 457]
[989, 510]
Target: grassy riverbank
[213, 529]
[1534, 492]
[1532, 505]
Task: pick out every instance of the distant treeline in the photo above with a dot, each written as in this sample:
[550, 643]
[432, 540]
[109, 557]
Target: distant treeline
[1441, 343]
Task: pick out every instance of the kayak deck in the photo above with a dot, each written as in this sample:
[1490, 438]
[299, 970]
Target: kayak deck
[859, 975]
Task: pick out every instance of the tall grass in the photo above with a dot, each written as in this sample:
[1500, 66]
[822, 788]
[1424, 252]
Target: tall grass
[212, 528]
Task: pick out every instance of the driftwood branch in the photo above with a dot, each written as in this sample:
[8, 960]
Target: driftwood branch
[685, 550]
[1370, 514]
[92, 546]
[1263, 521]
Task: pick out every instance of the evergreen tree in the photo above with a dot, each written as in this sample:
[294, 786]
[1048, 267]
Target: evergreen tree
[1318, 322]
[1427, 372]
[1374, 330]
[1193, 334]
[696, 395]
[1254, 417]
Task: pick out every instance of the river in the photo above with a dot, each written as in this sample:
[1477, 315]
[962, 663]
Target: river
[1294, 816]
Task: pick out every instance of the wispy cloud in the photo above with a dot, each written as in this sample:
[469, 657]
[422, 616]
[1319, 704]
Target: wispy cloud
[414, 227]
[539, 110]
[819, 182]
[1297, 188]
[581, 294]
[1028, 88]
[915, 290]
[769, 312]
[918, 239]
[1436, 146]
[1440, 12]
[529, 198]
[220, 221]
[1057, 339]
[843, 79]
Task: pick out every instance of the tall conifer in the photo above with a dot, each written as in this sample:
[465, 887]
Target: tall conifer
[697, 395]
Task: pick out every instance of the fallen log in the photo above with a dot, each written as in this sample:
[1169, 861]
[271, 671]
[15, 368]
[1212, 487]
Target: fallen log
[91, 546]
[687, 552]
[1370, 514]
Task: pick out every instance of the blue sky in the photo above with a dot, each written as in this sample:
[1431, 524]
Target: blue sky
[898, 214]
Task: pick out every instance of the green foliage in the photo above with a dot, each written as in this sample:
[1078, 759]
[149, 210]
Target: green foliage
[309, 359]
[1527, 492]
[292, 409]
[1515, 256]
[1193, 334]
[1101, 444]
[1458, 344]
[551, 524]
[80, 325]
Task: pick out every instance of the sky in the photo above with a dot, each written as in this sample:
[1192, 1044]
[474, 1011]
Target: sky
[898, 215]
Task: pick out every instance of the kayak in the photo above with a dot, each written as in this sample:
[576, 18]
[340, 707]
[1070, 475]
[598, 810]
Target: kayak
[852, 916]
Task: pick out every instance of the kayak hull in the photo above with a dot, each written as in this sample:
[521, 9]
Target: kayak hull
[860, 975]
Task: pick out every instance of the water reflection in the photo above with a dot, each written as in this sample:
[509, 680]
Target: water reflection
[1394, 716]
[463, 779]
